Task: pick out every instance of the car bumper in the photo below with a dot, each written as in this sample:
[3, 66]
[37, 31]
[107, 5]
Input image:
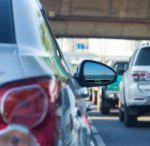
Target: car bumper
[139, 110]
[137, 96]
[112, 94]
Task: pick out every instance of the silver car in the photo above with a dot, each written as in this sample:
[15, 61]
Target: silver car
[135, 87]
[40, 99]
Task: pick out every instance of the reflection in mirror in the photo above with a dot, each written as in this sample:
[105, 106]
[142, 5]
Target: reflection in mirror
[98, 73]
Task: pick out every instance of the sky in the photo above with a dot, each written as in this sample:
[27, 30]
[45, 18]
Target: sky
[96, 69]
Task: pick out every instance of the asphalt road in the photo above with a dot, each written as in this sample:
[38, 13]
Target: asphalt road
[109, 131]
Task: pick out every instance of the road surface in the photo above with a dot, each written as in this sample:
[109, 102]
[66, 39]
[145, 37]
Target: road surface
[109, 131]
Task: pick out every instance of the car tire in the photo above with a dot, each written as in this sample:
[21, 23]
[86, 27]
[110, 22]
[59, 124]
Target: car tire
[104, 110]
[121, 115]
[104, 105]
[129, 120]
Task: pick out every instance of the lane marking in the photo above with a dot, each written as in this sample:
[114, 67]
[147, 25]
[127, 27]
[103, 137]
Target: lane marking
[94, 130]
[92, 143]
[99, 140]
[97, 137]
[91, 122]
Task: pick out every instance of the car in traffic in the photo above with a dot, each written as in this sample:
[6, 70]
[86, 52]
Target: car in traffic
[41, 102]
[135, 87]
[110, 94]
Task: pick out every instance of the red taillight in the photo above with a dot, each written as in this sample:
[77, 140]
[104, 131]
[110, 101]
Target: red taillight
[140, 75]
[26, 105]
[87, 121]
[33, 103]
[27, 102]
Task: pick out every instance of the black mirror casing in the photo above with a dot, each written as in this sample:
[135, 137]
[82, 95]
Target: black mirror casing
[93, 66]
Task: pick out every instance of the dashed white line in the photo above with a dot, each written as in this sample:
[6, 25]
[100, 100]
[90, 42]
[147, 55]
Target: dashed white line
[97, 137]
[99, 140]
[94, 129]
[91, 122]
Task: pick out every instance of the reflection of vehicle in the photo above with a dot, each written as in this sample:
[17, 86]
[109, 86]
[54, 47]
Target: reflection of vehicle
[110, 94]
[37, 88]
[73, 66]
[102, 75]
[75, 57]
[135, 87]
[96, 67]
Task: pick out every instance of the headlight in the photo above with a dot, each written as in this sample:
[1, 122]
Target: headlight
[16, 135]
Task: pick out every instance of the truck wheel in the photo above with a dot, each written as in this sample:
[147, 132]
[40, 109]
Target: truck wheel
[129, 120]
[104, 109]
[121, 115]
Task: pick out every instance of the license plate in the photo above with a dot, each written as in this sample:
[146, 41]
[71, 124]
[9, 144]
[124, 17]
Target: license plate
[144, 86]
[111, 95]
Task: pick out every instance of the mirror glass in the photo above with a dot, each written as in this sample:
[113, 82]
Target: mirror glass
[96, 73]
[121, 67]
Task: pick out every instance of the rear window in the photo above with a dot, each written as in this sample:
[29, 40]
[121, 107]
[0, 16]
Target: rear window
[120, 67]
[6, 22]
[143, 57]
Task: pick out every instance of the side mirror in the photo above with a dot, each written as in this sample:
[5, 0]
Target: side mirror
[84, 92]
[92, 74]
[88, 108]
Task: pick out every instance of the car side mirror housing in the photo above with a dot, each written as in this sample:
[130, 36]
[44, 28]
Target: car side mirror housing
[92, 74]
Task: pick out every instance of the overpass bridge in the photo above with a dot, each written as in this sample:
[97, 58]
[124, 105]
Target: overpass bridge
[127, 19]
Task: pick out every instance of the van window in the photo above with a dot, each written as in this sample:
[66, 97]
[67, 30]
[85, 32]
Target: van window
[120, 67]
[143, 57]
[6, 22]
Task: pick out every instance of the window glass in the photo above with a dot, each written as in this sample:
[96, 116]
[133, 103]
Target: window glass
[143, 57]
[47, 40]
[49, 43]
[6, 22]
[120, 67]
